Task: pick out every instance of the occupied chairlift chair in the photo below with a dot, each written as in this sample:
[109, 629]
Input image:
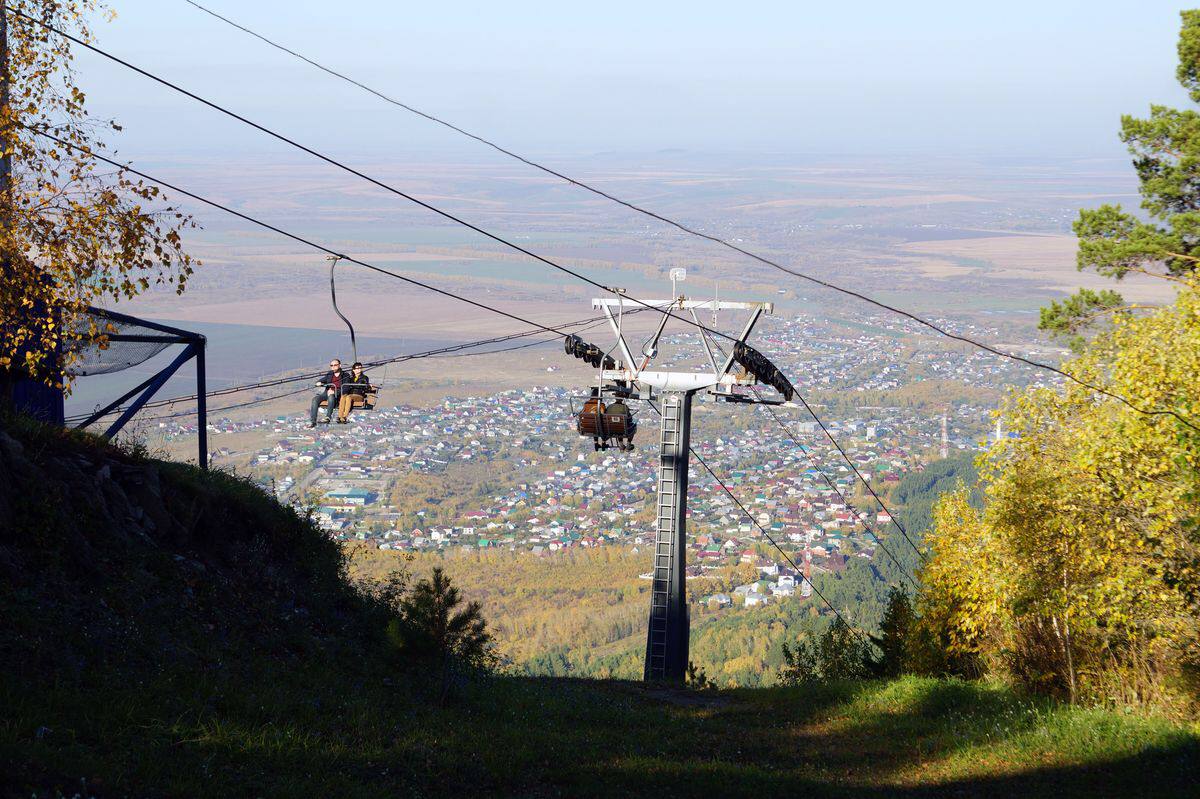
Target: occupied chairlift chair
[609, 424]
[371, 393]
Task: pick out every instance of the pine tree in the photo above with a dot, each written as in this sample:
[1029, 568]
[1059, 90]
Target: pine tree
[894, 632]
[432, 626]
[1164, 241]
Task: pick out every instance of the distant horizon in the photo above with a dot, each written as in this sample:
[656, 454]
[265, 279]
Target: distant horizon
[127, 148]
[1029, 80]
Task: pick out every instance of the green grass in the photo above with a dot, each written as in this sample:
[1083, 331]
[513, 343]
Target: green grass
[364, 730]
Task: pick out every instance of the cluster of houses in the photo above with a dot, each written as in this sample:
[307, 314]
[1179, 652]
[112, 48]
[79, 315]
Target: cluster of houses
[761, 592]
[562, 495]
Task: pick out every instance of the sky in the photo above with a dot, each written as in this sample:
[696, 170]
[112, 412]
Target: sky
[1021, 78]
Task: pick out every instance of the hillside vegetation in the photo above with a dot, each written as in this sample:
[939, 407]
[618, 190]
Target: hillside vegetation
[173, 633]
[583, 612]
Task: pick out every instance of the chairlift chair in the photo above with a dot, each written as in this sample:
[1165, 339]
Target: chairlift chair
[371, 397]
[609, 424]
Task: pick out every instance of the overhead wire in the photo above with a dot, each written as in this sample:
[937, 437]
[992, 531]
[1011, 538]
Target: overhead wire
[126, 167]
[870, 530]
[586, 279]
[263, 400]
[665, 311]
[295, 237]
[539, 327]
[838, 492]
[236, 405]
[849, 462]
[828, 481]
[428, 206]
[781, 550]
[685, 228]
[542, 259]
[370, 179]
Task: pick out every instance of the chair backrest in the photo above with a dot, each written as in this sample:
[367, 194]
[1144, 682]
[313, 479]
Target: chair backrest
[605, 425]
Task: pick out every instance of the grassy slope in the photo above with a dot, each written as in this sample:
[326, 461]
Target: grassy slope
[220, 654]
[347, 732]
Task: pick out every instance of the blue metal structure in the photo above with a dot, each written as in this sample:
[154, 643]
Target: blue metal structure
[193, 347]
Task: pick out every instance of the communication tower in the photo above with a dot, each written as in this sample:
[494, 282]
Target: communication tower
[945, 451]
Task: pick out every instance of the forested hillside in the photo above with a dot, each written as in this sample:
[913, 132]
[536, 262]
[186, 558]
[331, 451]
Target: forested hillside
[583, 612]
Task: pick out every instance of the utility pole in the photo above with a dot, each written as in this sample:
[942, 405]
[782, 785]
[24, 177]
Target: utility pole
[627, 377]
[945, 434]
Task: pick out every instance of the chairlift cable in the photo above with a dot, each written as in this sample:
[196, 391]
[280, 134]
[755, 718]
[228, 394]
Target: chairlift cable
[500, 240]
[261, 400]
[866, 484]
[450, 351]
[398, 192]
[666, 313]
[834, 488]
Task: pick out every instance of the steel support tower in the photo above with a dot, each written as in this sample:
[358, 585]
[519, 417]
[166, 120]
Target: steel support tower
[667, 637]
[628, 376]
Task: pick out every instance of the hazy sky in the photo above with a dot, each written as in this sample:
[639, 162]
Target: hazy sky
[1019, 78]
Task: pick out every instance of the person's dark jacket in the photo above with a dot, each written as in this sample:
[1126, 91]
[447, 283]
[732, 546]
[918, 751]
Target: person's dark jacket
[359, 386]
[327, 380]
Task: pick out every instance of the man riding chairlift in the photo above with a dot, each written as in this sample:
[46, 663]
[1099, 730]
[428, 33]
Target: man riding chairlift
[331, 391]
[341, 390]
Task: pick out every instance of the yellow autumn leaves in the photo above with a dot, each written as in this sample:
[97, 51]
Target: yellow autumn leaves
[1079, 574]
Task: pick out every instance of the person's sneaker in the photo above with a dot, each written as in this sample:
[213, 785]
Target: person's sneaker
[312, 425]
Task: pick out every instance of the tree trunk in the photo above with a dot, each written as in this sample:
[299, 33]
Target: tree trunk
[1067, 643]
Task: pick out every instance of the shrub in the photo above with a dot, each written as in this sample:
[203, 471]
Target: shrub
[841, 653]
[432, 626]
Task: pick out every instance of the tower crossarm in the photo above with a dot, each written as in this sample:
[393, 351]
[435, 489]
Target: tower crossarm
[633, 369]
[677, 381]
[684, 304]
